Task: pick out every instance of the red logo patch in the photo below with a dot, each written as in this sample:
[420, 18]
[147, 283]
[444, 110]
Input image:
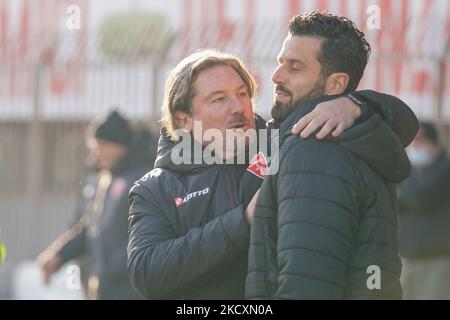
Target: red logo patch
[258, 166]
[178, 201]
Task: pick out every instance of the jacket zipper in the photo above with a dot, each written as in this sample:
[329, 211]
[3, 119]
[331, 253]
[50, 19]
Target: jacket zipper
[230, 190]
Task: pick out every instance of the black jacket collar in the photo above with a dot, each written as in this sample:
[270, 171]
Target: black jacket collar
[372, 140]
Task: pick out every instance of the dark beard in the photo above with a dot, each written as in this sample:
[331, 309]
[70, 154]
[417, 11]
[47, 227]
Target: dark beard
[281, 111]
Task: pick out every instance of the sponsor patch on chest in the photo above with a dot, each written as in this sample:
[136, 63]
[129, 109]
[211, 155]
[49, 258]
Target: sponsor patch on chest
[258, 165]
[179, 201]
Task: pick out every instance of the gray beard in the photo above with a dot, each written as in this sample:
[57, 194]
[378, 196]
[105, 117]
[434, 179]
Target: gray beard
[281, 111]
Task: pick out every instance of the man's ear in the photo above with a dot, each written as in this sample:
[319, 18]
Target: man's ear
[184, 120]
[336, 83]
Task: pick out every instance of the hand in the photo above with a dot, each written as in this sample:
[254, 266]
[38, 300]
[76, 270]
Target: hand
[250, 211]
[338, 115]
[49, 266]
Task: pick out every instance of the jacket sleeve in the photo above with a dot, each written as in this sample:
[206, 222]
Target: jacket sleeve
[397, 115]
[164, 265]
[72, 243]
[317, 215]
[116, 267]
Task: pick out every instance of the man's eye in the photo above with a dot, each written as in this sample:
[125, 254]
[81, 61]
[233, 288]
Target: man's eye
[217, 100]
[243, 94]
[294, 69]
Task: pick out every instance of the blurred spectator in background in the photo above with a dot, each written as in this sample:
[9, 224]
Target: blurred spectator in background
[424, 223]
[85, 196]
[122, 155]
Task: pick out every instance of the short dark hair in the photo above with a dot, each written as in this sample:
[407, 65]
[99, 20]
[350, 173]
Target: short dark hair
[344, 49]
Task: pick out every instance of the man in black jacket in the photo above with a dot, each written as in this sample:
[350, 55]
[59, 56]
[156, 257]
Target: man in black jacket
[424, 219]
[123, 155]
[188, 229]
[325, 224]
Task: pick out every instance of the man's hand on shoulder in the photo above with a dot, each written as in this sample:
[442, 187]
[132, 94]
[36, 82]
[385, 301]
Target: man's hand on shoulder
[333, 117]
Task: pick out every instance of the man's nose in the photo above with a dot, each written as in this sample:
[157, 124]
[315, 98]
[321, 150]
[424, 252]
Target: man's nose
[277, 76]
[237, 106]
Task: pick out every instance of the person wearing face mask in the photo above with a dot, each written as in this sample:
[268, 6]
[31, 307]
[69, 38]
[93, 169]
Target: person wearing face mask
[425, 148]
[424, 221]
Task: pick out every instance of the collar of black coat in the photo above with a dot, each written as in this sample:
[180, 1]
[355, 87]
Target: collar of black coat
[165, 146]
[372, 140]
[299, 112]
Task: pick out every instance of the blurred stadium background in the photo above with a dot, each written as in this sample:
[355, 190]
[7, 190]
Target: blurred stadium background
[54, 80]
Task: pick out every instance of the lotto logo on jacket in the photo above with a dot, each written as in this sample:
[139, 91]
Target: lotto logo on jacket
[179, 201]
